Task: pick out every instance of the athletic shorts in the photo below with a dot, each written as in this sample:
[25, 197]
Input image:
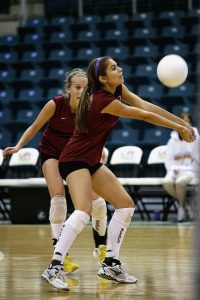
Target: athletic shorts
[44, 157]
[66, 168]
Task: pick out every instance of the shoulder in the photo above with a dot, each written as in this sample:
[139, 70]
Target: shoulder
[59, 99]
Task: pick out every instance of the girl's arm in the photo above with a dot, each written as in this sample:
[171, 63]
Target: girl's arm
[45, 114]
[136, 101]
[117, 108]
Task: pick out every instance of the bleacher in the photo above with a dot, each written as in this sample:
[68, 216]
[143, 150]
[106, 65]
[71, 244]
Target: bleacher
[33, 62]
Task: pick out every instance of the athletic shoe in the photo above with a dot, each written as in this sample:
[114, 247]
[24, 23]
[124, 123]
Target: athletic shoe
[100, 253]
[115, 271]
[69, 265]
[56, 278]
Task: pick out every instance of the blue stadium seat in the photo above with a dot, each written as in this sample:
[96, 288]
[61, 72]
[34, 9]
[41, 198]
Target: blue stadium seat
[176, 48]
[124, 136]
[88, 53]
[145, 18]
[31, 95]
[60, 37]
[32, 74]
[51, 92]
[126, 69]
[5, 138]
[146, 70]
[116, 52]
[27, 115]
[150, 91]
[32, 38]
[60, 54]
[38, 23]
[5, 114]
[116, 34]
[6, 95]
[8, 57]
[159, 135]
[9, 40]
[191, 109]
[7, 75]
[173, 31]
[33, 56]
[186, 89]
[119, 18]
[88, 35]
[58, 73]
[62, 20]
[174, 15]
[146, 33]
[146, 51]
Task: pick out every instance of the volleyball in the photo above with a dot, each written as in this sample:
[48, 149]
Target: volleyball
[172, 70]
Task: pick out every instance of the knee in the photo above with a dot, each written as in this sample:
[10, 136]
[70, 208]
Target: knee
[99, 208]
[78, 220]
[58, 210]
[124, 215]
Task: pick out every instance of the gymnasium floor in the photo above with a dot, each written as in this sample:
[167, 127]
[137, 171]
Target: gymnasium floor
[159, 254]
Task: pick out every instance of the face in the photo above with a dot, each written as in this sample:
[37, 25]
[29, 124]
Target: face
[114, 76]
[78, 83]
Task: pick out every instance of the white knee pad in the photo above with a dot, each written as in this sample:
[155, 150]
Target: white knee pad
[123, 215]
[78, 220]
[58, 210]
[99, 209]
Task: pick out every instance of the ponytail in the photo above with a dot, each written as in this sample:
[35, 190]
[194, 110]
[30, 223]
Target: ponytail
[81, 113]
[96, 68]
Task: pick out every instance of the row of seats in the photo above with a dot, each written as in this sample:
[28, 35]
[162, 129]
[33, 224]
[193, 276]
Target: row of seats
[125, 161]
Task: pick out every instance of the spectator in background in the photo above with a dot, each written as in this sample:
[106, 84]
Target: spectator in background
[182, 168]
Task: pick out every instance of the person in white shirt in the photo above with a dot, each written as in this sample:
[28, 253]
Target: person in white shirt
[182, 167]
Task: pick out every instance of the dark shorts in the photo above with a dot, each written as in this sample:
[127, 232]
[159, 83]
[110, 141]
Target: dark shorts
[44, 157]
[66, 168]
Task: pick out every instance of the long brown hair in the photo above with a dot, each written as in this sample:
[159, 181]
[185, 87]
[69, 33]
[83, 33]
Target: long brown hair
[97, 67]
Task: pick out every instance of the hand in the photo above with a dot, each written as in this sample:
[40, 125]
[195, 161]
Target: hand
[187, 134]
[10, 150]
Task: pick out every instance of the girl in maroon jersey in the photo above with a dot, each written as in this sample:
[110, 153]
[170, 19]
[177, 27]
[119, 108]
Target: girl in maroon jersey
[99, 109]
[60, 113]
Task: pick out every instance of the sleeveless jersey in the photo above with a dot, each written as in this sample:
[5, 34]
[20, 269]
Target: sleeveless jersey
[87, 147]
[59, 129]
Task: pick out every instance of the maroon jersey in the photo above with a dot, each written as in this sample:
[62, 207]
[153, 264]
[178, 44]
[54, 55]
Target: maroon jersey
[87, 147]
[59, 128]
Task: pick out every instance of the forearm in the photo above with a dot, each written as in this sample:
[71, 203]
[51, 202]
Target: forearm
[138, 102]
[27, 136]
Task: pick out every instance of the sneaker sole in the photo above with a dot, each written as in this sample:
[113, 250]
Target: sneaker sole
[59, 289]
[113, 279]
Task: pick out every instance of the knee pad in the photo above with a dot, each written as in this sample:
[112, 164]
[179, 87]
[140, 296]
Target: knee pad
[78, 220]
[99, 209]
[58, 210]
[123, 215]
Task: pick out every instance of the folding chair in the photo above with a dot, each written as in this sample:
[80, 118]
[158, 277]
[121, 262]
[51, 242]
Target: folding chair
[155, 168]
[23, 164]
[125, 162]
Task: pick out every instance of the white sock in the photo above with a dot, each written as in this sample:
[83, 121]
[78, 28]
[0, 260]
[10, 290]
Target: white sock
[117, 229]
[99, 216]
[56, 229]
[72, 227]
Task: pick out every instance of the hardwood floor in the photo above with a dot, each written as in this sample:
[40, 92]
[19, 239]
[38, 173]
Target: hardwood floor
[159, 255]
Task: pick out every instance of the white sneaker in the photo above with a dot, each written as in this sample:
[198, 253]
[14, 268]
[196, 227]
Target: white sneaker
[56, 278]
[115, 272]
[181, 214]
